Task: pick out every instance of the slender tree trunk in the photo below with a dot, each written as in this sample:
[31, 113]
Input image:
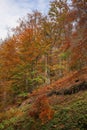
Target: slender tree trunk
[47, 81]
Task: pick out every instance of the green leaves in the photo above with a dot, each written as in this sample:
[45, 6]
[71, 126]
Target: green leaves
[1, 126]
[64, 55]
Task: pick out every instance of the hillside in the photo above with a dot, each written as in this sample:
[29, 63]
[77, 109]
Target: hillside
[43, 69]
[65, 100]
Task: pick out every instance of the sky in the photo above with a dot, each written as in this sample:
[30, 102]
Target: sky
[12, 10]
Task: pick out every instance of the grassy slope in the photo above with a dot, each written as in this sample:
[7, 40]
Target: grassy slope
[70, 110]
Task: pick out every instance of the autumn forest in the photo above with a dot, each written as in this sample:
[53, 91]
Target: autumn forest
[43, 70]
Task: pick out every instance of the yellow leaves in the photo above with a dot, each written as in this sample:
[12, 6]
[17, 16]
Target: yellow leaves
[57, 67]
[14, 112]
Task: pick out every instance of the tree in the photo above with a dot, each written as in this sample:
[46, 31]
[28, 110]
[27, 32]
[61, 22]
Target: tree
[60, 30]
[79, 34]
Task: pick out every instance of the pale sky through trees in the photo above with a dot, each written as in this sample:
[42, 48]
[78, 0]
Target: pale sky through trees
[12, 10]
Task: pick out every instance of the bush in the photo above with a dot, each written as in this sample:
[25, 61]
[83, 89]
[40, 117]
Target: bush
[42, 110]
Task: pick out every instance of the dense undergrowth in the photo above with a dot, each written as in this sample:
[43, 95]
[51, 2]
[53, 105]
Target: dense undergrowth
[46, 109]
[70, 113]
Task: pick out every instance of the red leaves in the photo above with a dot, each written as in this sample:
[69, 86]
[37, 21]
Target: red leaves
[42, 109]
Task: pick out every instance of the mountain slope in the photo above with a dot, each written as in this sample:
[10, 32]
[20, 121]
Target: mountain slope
[67, 99]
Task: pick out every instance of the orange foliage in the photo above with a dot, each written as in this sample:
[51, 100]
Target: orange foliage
[42, 109]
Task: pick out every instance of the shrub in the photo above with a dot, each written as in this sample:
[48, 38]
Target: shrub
[42, 109]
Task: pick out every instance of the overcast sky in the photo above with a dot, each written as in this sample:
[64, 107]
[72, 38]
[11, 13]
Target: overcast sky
[12, 10]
